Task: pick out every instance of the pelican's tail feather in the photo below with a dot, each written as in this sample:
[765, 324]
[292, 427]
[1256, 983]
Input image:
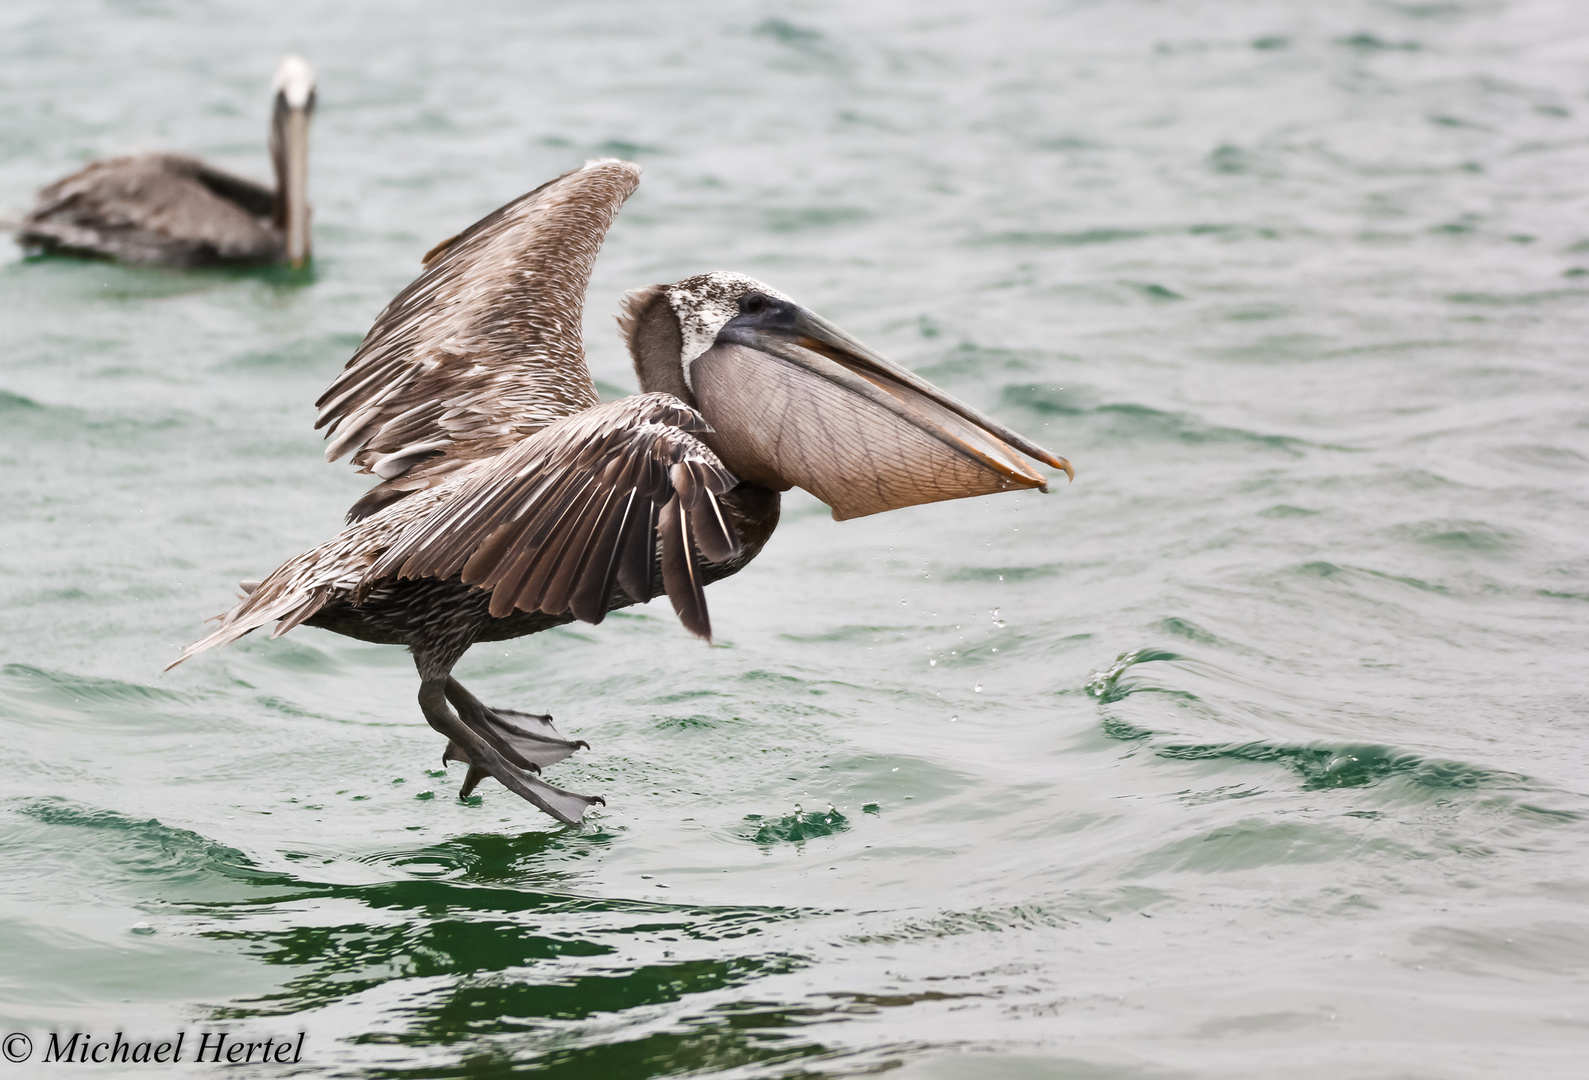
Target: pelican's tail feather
[293, 593]
[288, 604]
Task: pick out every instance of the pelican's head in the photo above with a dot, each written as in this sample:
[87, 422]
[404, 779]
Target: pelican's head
[293, 92]
[794, 401]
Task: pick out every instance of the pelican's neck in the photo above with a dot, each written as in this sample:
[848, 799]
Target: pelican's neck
[289, 152]
[651, 330]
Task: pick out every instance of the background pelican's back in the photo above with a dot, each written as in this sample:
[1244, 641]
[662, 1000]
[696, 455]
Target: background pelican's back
[156, 209]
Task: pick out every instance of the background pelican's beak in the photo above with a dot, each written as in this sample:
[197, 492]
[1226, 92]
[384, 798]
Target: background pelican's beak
[795, 401]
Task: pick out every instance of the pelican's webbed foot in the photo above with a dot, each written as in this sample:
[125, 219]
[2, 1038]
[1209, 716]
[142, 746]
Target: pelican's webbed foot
[509, 745]
[529, 735]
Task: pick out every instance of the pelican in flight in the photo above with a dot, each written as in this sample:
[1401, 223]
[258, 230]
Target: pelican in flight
[510, 500]
[174, 210]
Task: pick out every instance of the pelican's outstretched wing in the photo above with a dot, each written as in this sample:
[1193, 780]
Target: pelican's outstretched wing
[484, 347]
[550, 525]
[553, 523]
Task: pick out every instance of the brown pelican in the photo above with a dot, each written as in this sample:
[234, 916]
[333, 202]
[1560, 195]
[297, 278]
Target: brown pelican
[510, 500]
[174, 210]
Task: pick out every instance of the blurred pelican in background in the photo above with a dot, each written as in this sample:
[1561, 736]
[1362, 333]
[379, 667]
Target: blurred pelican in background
[174, 210]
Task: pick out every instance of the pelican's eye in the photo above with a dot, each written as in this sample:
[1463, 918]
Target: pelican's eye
[752, 304]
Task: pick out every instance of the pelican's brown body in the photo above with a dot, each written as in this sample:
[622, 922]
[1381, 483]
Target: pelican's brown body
[511, 500]
[440, 619]
[174, 210]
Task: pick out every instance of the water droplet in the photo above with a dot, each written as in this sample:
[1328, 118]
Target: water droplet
[1001, 577]
[978, 688]
[953, 718]
[894, 769]
[995, 650]
[932, 663]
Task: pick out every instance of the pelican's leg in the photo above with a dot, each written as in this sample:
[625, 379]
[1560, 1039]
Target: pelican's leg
[512, 770]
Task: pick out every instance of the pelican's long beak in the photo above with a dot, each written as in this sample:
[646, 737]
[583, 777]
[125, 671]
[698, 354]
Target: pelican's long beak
[795, 401]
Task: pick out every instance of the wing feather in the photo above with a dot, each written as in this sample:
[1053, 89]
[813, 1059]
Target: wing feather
[679, 574]
[555, 522]
[562, 574]
[561, 544]
[589, 599]
[483, 348]
[637, 559]
[713, 535]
